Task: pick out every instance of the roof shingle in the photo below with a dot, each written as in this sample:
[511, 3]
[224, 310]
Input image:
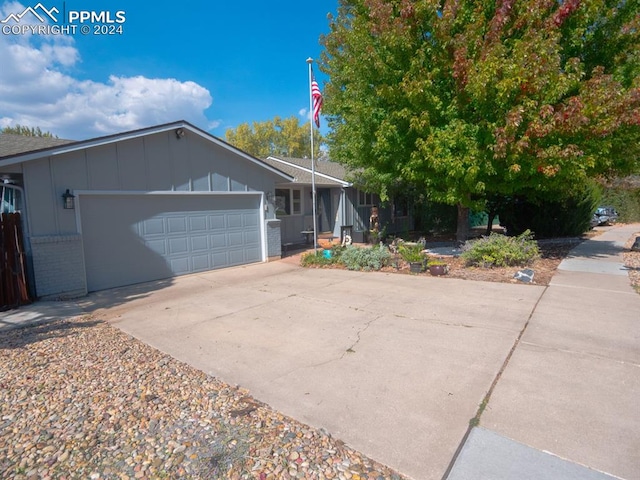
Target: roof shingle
[300, 169]
[12, 144]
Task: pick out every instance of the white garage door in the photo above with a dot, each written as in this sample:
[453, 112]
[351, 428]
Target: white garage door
[138, 238]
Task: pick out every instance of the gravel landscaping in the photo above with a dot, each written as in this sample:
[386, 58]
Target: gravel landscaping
[80, 399]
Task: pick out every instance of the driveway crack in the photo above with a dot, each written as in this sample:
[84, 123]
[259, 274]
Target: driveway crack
[351, 349]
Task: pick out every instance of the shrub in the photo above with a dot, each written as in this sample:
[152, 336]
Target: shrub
[355, 258]
[501, 251]
[626, 201]
[411, 253]
[568, 216]
[316, 259]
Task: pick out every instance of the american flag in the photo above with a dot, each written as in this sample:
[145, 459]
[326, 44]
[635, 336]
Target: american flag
[317, 99]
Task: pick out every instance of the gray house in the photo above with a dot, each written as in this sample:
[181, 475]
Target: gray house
[339, 203]
[137, 206]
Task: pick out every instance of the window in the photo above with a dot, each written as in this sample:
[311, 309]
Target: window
[9, 199]
[297, 201]
[288, 201]
[365, 199]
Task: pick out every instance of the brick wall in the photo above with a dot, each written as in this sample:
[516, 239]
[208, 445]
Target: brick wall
[58, 266]
[274, 242]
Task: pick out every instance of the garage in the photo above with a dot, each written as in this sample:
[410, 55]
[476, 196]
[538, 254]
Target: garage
[134, 238]
[139, 206]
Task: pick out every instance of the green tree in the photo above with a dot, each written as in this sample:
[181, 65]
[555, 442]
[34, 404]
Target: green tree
[466, 100]
[284, 137]
[28, 131]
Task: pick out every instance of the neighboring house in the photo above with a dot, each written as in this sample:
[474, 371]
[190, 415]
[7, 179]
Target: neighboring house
[148, 204]
[339, 203]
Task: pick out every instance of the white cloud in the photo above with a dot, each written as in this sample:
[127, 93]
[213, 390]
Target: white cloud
[37, 89]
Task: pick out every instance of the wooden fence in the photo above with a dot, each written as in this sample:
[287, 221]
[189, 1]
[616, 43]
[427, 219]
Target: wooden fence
[14, 288]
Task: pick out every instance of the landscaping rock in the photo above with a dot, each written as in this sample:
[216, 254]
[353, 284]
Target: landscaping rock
[525, 276]
[80, 399]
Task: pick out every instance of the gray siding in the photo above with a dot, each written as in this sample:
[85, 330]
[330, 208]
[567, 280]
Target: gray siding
[158, 162]
[132, 169]
[43, 199]
[101, 168]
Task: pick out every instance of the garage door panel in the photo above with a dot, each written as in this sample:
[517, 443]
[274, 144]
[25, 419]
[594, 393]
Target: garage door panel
[198, 223]
[236, 257]
[201, 263]
[136, 238]
[153, 226]
[177, 225]
[200, 243]
[234, 220]
[219, 260]
[250, 220]
[158, 246]
[252, 255]
[235, 238]
[180, 266]
[216, 222]
[218, 241]
[251, 238]
[178, 246]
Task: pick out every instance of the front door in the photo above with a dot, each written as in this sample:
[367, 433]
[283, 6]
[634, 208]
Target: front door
[325, 214]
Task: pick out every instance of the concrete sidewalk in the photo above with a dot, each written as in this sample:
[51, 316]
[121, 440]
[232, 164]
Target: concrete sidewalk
[572, 386]
[397, 365]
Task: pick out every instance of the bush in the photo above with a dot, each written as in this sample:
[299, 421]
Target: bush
[625, 200]
[501, 251]
[316, 259]
[566, 217]
[411, 253]
[355, 258]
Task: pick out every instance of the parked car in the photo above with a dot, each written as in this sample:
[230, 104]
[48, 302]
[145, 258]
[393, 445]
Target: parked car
[604, 216]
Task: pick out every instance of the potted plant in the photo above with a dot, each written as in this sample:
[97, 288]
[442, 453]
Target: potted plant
[438, 267]
[412, 254]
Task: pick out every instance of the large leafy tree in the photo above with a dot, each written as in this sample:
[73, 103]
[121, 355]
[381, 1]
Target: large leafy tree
[466, 100]
[285, 137]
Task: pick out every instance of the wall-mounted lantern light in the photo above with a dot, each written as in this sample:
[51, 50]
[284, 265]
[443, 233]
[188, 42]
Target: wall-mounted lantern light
[68, 199]
[179, 133]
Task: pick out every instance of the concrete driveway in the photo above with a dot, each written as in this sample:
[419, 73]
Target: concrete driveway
[394, 365]
[397, 365]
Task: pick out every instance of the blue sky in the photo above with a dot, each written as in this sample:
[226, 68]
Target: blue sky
[215, 64]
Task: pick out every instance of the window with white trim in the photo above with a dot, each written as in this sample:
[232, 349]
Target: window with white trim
[288, 201]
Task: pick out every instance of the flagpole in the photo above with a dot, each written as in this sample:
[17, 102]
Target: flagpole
[313, 163]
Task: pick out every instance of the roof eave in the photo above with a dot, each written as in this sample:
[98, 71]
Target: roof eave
[342, 183]
[118, 137]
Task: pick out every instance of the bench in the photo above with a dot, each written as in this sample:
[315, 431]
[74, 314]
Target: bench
[285, 248]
